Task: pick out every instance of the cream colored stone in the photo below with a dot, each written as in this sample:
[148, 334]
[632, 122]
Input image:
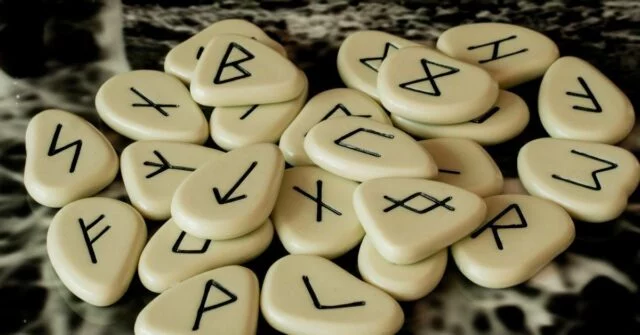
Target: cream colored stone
[410, 219]
[235, 127]
[234, 70]
[360, 149]
[502, 122]
[67, 159]
[151, 105]
[221, 301]
[592, 181]
[520, 235]
[325, 105]
[511, 54]
[171, 255]
[465, 164]
[311, 295]
[360, 57]
[578, 102]
[423, 85]
[94, 245]
[181, 59]
[153, 170]
[230, 196]
[402, 282]
[314, 213]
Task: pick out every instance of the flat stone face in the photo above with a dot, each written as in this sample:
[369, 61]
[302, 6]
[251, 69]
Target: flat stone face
[314, 213]
[153, 170]
[360, 149]
[220, 301]
[231, 196]
[171, 255]
[239, 126]
[410, 219]
[234, 70]
[465, 164]
[520, 235]
[592, 181]
[576, 101]
[312, 295]
[511, 54]
[360, 56]
[94, 245]
[182, 59]
[507, 118]
[325, 105]
[151, 105]
[67, 158]
[423, 85]
[402, 282]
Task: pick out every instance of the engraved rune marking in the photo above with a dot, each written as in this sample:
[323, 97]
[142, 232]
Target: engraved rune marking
[203, 309]
[90, 241]
[340, 140]
[594, 174]
[484, 117]
[403, 203]
[199, 52]
[150, 103]
[54, 151]
[495, 54]
[374, 62]
[248, 112]
[226, 65]
[164, 165]
[318, 200]
[587, 95]
[227, 198]
[448, 171]
[316, 301]
[176, 246]
[343, 109]
[435, 90]
[495, 228]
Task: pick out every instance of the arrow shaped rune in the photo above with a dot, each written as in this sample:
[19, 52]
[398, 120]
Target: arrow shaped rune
[204, 309]
[318, 305]
[163, 166]
[227, 197]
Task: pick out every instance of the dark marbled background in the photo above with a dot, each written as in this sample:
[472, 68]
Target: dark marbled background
[56, 54]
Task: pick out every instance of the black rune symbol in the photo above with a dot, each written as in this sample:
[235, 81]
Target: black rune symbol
[495, 228]
[203, 309]
[318, 200]
[54, 151]
[230, 66]
[150, 103]
[587, 95]
[594, 174]
[495, 54]
[403, 203]
[340, 141]
[435, 90]
[316, 301]
[227, 198]
[374, 62]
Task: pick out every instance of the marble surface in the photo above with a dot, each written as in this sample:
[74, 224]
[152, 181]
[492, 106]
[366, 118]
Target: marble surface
[56, 54]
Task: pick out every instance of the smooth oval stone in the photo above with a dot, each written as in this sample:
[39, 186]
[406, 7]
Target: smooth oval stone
[465, 164]
[426, 86]
[230, 196]
[361, 149]
[511, 54]
[151, 105]
[234, 70]
[310, 295]
[152, 170]
[235, 127]
[171, 255]
[592, 181]
[402, 282]
[323, 106]
[520, 235]
[507, 118]
[221, 301]
[360, 57]
[314, 213]
[67, 159]
[182, 59]
[94, 245]
[410, 219]
[576, 101]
